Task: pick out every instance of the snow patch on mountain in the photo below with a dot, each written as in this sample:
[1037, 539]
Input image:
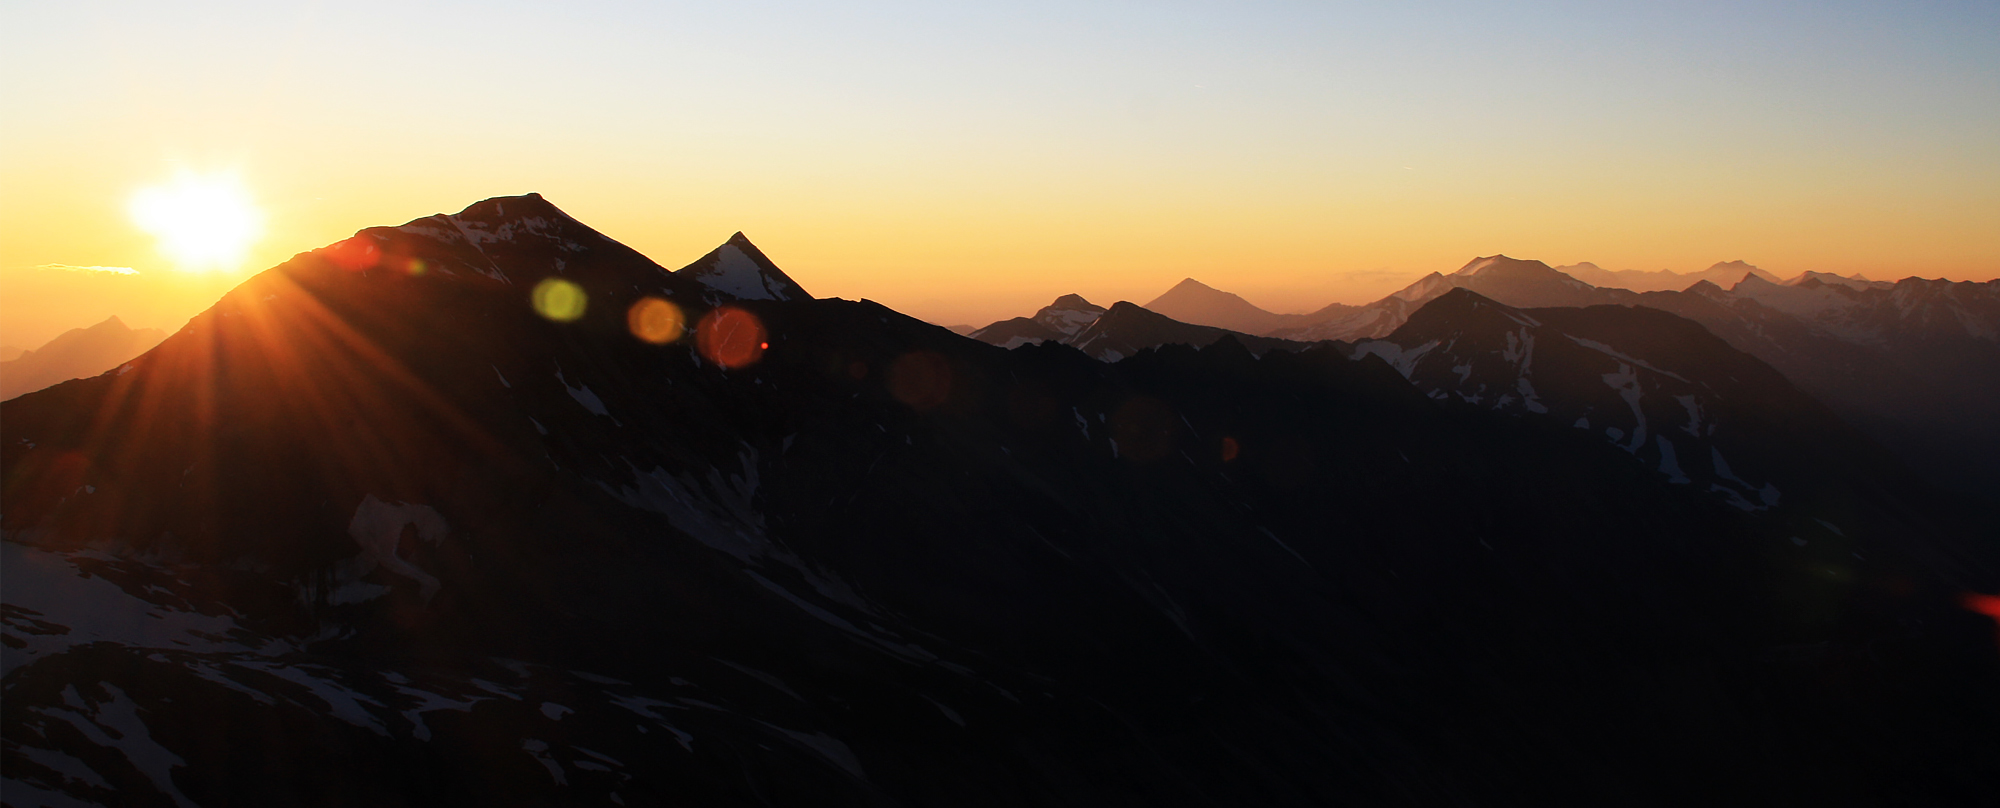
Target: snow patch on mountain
[1404, 360]
[736, 275]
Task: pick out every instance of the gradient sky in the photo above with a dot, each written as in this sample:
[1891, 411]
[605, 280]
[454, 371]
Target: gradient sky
[967, 162]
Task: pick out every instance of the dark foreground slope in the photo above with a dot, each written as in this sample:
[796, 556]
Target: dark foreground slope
[364, 536]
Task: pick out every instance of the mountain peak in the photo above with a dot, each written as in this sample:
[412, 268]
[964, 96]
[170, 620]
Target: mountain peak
[740, 270]
[1751, 281]
[1073, 302]
[1728, 273]
[1192, 301]
[503, 208]
[1503, 265]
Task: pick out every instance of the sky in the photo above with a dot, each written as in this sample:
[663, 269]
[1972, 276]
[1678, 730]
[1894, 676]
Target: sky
[967, 162]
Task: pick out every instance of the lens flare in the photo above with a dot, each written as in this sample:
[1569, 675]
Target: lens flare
[559, 300]
[655, 320]
[355, 254]
[1230, 449]
[731, 337]
[203, 222]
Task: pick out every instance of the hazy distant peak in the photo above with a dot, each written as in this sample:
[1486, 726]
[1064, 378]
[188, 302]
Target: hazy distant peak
[1192, 301]
[1810, 278]
[1751, 281]
[1425, 288]
[1503, 265]
[740, 270]
[76, 353]
[1729, 272]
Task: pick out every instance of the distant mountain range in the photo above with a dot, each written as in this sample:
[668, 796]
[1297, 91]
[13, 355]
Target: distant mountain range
[1724, 274]
[1915, 363]
[363, 534]
[77, 353]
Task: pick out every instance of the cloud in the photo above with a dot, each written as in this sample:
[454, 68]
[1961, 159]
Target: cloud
[74, 268]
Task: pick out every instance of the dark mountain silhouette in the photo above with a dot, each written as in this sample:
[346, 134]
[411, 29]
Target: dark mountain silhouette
[77, 353]
[1658, 386]
[1127, 329]
[1915, 364]
[362, 534]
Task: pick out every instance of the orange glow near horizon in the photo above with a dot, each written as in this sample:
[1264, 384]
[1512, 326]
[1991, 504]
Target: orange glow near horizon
[970, 167]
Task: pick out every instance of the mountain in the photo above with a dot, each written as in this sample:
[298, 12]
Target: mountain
[1509, 280]
[1057, 321]
[1191, 301]
[372, 530]
[739, 270]
[1915, 364]
[1725, 274]
[1127, 329]
[1657, 386]
[77, 353]
[1855, 281]
[9, 353]
[1112, 334]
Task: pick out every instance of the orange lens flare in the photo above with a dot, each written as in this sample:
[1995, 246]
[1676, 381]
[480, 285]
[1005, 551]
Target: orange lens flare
[921, 379]
[355, 254]
[731, 337]
[1230, 449]
[655, 320]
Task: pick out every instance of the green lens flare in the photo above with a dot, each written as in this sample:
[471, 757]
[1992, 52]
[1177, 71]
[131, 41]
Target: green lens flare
[559, 300]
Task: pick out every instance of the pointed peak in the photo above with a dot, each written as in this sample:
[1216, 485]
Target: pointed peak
[740, 270]
[1191, 284]
[1751, 281]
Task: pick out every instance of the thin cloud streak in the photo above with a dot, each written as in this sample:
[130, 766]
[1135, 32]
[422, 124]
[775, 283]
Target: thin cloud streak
[75, 268]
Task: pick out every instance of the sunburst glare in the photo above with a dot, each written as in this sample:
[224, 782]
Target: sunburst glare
[204, 222]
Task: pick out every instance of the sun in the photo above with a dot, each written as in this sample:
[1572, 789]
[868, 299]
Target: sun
[204, 223]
